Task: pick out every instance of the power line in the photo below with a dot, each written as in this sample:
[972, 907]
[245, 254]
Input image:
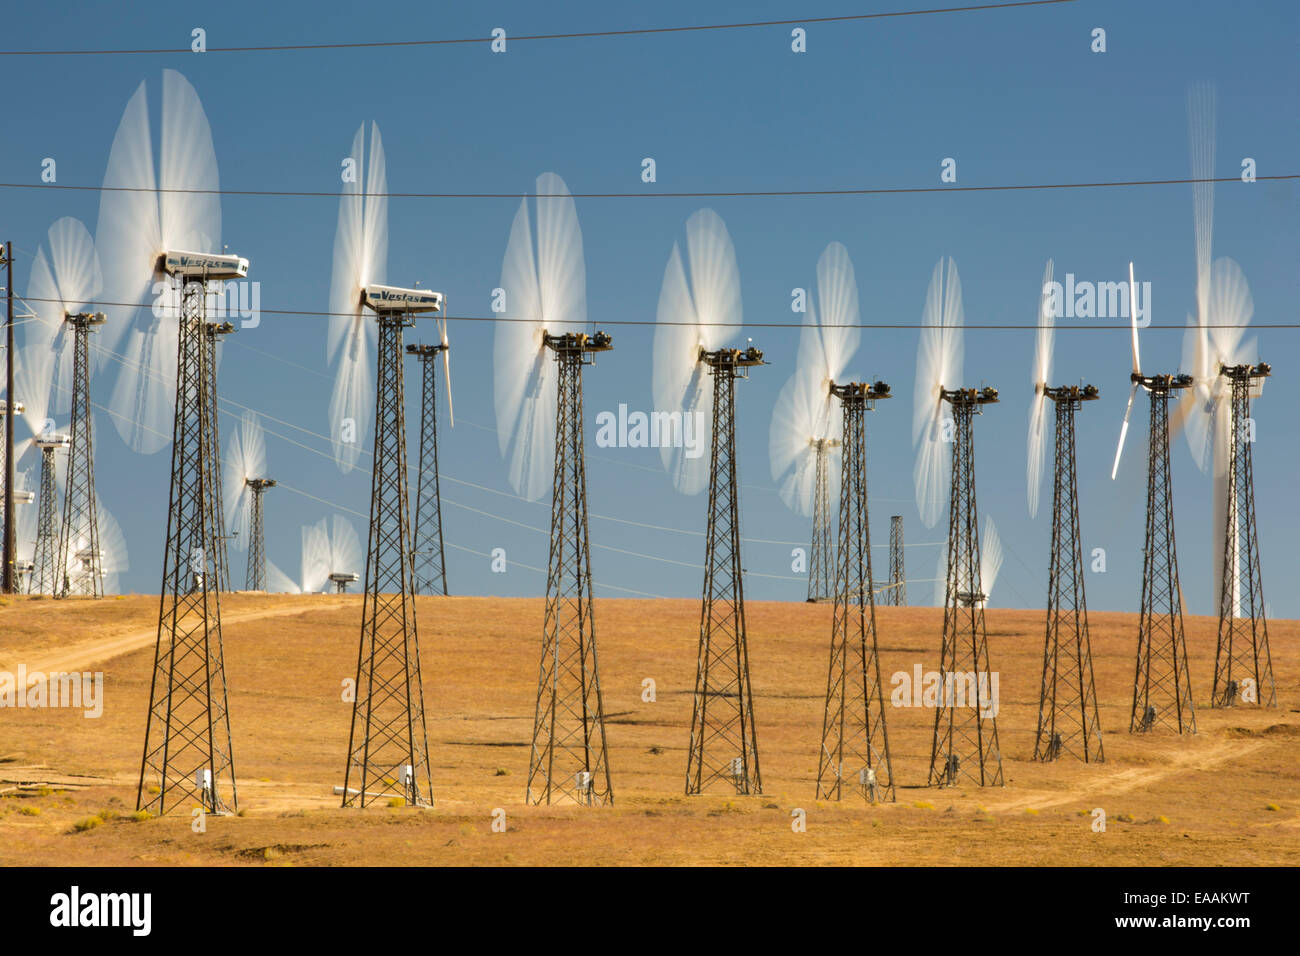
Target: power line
[610, 323]
[702, 194]
[582, 35]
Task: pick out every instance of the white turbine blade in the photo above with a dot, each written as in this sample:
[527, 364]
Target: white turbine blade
[1036, 452]
[245, 458]
[938, 364]
[1191, 414]
[315, 557]
[360, 258]
[1037, 440]
[112, 543]
[561, 267]
[277, 582]
[1230, 311]
[446, 370]
[128, 237]
[714, 279]
[1123, 432]
[790, 448]
[35, 358]
[76, 271]
[142, 403]
[523, 372]
[991, 557]
[1133, 320]
[701, 309]
[838, 306]
[345, 547]
[189, 202]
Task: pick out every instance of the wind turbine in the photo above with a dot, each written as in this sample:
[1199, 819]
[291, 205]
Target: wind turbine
[62, 282]
[388, 744]
[159, 233]
[963, 745]
[331, 556]
[970, 593]
[246, 481]
[541, 347]
[1067, 704]
[1227, 375]
[1162, 690]
[430, 559]
[804, 439]
[699, 310]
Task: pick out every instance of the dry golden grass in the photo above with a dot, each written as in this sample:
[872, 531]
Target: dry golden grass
[1229, 795]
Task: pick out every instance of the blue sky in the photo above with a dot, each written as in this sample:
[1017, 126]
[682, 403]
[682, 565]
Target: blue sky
[1014, 96]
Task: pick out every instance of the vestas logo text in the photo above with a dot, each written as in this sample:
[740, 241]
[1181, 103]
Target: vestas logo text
[74, 908]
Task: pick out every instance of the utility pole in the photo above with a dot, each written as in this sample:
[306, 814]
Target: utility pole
[10, 557]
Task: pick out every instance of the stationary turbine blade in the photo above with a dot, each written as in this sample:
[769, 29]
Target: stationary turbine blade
[1119, 450]
[446, 370]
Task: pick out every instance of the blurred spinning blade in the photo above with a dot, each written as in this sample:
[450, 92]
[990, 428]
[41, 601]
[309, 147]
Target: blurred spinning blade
[938, 365]
[699, 308]
[245, 458]
[360, 259]
[1037, 441]
[66, 280]
[544, 278]
[137, 224]
[805, 409]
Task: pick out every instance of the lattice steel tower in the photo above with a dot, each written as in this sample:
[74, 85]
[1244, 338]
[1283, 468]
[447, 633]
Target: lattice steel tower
[46, 577]
[1242, 651]
[212, 331]
[821, 569]
[255, 578]
[897, 593]
[855, 741]
[430, 561]
[1067, 702]
[723, 745]
[388, 747]
[187, 752]
[82, 569]
[568, 761]
[965, 741]
[1162, 687]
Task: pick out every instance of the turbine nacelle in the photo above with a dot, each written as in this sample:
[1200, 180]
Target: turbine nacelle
[734, 358]
[1072, 393]
[578, 342]
[861, 391]
[204, 266]
[387, 298]
[51, 440]
[970, 396]
[85, 319]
